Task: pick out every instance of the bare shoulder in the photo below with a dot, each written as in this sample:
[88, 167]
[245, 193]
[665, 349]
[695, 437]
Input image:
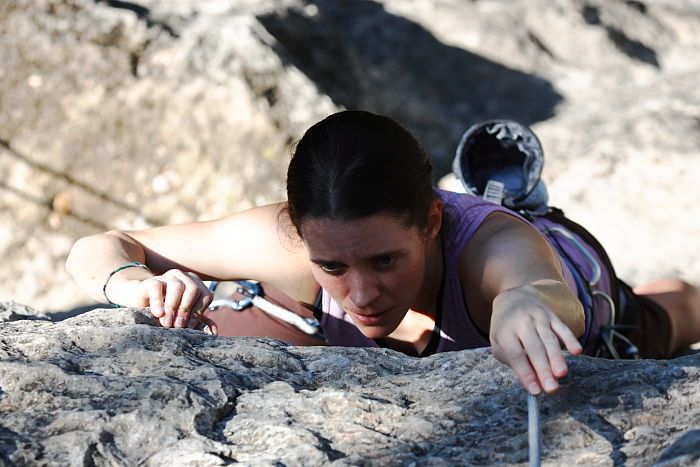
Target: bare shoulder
[505, 252]
[259, 244]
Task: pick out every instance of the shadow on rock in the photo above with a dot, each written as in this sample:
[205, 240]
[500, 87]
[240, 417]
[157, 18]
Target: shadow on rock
[366, 58]
[73, 312]
[684, 451]
[599, 388]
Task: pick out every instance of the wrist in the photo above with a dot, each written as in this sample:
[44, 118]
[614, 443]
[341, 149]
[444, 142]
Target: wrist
[120, 284]
[559, 298]
[550, 294]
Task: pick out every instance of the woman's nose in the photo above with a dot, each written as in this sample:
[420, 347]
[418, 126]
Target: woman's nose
[363, 290]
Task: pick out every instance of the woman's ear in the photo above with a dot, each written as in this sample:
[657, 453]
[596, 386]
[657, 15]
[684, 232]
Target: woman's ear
[434, 220]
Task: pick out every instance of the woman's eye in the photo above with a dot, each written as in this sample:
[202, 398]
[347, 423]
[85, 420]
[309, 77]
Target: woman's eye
[332, 268]
[384, 261]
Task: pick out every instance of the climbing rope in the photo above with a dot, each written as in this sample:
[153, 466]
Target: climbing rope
[534, 431]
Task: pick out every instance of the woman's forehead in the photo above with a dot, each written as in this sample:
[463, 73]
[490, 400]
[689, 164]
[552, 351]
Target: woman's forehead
[368, 236]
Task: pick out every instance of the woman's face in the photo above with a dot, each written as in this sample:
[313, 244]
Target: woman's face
[373, 267]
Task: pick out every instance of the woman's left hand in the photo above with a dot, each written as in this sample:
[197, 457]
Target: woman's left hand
[526, 335]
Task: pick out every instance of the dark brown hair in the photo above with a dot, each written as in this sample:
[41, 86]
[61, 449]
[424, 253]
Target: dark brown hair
[354, 164]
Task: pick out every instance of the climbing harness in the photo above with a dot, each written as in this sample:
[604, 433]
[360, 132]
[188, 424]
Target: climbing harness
[253, 295]
[609, 333]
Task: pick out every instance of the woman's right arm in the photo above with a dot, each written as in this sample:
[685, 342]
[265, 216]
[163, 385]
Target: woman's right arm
[255, 244]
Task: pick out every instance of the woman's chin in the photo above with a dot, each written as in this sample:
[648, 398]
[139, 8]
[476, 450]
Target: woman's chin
[374, 332]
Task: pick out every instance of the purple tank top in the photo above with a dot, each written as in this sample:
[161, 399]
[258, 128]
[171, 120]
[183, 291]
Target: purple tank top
[457, 331]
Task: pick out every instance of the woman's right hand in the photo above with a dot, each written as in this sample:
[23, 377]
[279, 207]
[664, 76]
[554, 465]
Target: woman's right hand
[177, 298]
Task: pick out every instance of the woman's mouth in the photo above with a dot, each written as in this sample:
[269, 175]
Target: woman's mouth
[370, 319]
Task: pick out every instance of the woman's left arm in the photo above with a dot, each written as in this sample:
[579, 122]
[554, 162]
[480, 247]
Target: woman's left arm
[533, 312]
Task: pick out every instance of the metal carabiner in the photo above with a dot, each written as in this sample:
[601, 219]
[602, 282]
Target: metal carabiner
[249, 290]
[253, 295]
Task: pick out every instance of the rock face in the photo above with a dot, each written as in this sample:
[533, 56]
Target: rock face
[121, 114]
[110, 388]
[13, 311]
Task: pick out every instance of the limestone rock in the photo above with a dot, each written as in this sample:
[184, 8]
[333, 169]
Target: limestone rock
[110, 388]
[13, 311]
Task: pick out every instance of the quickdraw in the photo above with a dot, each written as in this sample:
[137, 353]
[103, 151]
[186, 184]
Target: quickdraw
[253, 295]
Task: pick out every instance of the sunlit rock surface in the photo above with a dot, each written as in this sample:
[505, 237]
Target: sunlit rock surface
[110, 388]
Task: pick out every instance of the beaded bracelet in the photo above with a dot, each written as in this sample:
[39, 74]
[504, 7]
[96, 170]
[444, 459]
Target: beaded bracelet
[133, 264]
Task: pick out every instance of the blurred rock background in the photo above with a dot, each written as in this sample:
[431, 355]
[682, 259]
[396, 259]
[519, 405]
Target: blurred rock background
[118, 114]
